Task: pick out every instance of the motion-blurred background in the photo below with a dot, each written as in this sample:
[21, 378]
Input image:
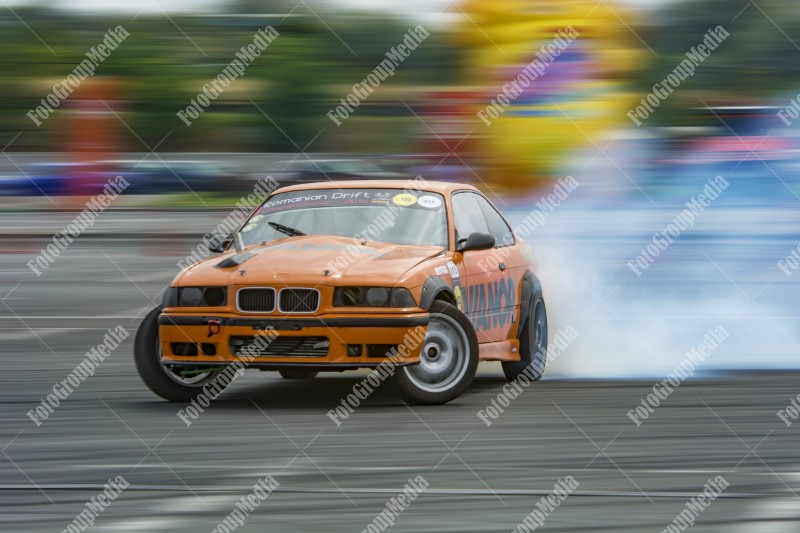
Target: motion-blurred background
[596, 126]
[587, 115]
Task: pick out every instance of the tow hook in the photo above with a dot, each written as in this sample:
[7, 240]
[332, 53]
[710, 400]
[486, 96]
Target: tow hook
[213, 327]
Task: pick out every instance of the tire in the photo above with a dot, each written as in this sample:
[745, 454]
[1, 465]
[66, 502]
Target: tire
[159, 378]
[440, 379]
[532, 345]
[297, 373]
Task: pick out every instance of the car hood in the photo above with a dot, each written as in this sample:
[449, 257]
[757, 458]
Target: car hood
[310, 259]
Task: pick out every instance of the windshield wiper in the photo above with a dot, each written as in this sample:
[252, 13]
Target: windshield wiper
[288, 230]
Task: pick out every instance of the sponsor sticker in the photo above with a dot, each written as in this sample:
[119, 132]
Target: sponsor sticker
[404, 199]
[429, 201]
[453, 270]
[440, 270]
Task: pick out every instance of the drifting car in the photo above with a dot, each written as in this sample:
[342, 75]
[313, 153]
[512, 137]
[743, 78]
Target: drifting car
[426, 280]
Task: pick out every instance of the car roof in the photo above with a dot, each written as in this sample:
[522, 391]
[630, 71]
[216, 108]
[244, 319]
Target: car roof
[443, 187]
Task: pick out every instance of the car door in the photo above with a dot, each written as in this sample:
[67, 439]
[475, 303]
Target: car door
[506, 258]
[485, 288]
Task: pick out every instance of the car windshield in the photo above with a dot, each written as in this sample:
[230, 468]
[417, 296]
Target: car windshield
[390, 215]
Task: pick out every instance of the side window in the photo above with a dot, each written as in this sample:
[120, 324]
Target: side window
[497, 226]
[467, 215]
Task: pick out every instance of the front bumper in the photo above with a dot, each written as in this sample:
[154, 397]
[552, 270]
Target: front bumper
[318, 340]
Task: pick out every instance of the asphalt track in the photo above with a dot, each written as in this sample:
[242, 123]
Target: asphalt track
[338, 478]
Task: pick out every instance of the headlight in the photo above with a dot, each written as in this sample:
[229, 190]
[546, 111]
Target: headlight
[190, 296]
[350, 295]
[214, 296]
[195, 297]
[401, 298]
[373, 297]
[377, 296]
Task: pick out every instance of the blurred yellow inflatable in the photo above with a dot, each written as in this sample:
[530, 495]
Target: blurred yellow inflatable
[549, 77]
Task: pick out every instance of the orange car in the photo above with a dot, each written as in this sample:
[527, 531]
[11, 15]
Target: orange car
[420, 279]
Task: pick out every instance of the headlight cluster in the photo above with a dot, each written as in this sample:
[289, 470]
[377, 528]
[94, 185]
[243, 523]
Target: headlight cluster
[195, 296]
[373, 297]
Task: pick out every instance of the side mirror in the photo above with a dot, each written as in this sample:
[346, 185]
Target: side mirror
[218, 243]
[475, 241]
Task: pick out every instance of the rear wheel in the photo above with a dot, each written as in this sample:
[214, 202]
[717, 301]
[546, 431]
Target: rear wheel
[448, 359]
[297, 373]
[171, 382]
[532, 345]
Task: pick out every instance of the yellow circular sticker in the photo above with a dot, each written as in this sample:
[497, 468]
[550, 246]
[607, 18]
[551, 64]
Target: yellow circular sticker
[404, 199]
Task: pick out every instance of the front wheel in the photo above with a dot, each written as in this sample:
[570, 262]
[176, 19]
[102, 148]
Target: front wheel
[174, 383]
[448, 359]
[532, 345]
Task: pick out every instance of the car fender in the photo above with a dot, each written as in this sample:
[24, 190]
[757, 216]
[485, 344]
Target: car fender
[433, 287]
[531, 288]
